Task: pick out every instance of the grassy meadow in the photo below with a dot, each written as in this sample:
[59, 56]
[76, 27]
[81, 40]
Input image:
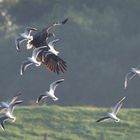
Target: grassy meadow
[70, 123]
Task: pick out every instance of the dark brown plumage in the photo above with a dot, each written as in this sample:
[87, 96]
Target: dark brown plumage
[51, 61]
[39, 39]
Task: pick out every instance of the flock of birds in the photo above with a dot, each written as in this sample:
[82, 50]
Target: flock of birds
[44, 53]
[134, 71]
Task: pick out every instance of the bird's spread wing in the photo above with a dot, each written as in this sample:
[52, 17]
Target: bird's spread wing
[12, 106]
[51, 43]
[14, 98]
[54, 63]
[118, 106]
[128, 77]
[40, 98]
[102, 119]
[28, 30]
[18, 102]
[18, 41]
[57, 24]
[24, 66]
[55, 84]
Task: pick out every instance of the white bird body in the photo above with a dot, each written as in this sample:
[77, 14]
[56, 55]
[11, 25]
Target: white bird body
[113, 117]
[10, 116]
[51, 94]
[29, 45]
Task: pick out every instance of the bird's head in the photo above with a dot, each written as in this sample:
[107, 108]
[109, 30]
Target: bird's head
[117, 120]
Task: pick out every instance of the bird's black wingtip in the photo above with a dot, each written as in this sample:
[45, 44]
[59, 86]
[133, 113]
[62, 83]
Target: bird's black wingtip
[64, 21]
[2, 126]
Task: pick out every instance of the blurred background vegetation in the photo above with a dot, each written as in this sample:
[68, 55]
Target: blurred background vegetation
[100, 42]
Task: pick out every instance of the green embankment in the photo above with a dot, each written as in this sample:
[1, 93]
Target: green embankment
[71, 123]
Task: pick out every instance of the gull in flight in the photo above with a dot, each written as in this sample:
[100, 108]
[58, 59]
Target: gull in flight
[133, 72]
[51, 91]
[25, 36]
[47, 56]
[40, 38]
[8, 103]
[114, 112]
[8, 114]
[31, 60]
[11, 108]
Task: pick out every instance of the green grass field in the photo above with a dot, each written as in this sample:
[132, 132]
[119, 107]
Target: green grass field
[71, 123]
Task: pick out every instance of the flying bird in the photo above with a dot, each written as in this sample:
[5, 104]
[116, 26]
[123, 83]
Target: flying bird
[40, 38]
[11, 108]
[47, 56]
[130, 75]
[114, 112]
[8, 114]
[25, 36]
[51, 91]
[8, 103]
[31, 60]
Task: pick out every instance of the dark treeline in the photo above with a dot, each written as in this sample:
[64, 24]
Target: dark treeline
[100, 42]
